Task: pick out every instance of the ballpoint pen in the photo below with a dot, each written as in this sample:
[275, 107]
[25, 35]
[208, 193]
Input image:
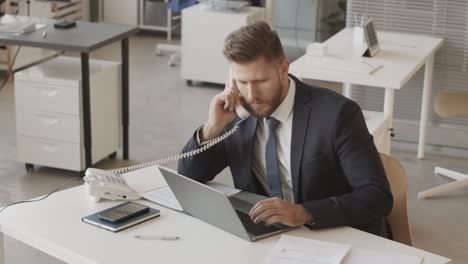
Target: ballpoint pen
[167, 238]
[376, 69]
[373, 68]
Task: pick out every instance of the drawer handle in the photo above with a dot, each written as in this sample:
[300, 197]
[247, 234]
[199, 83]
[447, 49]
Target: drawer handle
[48, 92]
[49, 120]
[50, 147]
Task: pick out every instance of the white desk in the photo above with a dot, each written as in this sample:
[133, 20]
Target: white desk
[401, 55]
[54, 226]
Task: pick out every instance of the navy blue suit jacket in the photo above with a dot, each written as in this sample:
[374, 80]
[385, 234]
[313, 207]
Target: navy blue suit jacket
[336, 171]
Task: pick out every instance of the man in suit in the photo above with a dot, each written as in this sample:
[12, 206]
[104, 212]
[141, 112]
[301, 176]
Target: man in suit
[305, 147]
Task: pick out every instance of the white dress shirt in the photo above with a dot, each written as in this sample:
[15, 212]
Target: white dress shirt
[284, 114]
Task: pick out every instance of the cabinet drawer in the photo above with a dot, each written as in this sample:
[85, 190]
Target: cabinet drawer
[48, 98]
[50, 153]
[49, 125]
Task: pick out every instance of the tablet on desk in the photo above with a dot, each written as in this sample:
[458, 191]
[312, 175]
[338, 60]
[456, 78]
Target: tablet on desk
[371, 38]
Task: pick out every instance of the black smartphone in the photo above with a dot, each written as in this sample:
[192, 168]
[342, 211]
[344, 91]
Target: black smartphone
[123, 212]
[64, 24]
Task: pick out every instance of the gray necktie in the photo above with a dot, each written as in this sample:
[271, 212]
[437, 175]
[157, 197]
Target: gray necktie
[271, 158]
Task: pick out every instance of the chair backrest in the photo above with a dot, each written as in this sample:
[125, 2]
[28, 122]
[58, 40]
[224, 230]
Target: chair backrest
[451, 103]
[398, 218]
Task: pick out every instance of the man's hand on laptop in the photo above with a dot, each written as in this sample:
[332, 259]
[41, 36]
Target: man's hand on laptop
[275, 210]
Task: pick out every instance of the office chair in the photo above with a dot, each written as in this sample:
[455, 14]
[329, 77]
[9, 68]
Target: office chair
[398, 218]
[449, 104]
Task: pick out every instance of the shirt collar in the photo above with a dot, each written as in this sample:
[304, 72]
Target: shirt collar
[284, 110]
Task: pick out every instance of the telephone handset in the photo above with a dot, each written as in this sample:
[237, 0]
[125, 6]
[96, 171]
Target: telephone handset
[110, 185]
[241, 112]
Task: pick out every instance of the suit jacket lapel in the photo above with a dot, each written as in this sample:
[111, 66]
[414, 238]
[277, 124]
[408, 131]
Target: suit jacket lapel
[299, 128]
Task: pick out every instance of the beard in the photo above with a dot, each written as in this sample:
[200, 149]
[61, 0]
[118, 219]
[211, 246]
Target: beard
[264, 109]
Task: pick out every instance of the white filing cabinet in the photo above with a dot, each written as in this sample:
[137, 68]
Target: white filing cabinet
[203, 34]
[49, 124]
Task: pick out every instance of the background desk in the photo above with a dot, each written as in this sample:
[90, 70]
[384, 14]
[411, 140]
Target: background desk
[84, 38]
[401, 56]
[54, 226]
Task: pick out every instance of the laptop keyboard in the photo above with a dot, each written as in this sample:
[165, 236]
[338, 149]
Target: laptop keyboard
[240, 205]
[252, 228]
[242, 209]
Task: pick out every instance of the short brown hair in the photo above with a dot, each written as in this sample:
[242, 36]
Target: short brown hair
[248, 43]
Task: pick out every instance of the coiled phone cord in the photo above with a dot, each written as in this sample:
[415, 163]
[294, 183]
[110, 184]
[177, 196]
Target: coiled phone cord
[180, 156]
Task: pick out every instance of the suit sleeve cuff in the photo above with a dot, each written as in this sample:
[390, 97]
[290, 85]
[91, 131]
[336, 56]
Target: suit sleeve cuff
[311, 223]
[197, 138]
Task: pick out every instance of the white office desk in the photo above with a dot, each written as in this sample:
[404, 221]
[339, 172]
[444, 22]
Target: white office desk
[54, 226]
[401, 55]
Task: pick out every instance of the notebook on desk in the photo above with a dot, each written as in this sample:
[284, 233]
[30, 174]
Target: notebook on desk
[95, 220]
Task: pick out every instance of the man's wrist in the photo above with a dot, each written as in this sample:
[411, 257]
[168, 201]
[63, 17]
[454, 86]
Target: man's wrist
[209, 132]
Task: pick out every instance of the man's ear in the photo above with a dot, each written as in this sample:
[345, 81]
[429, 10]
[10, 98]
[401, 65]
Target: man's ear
[284, 69]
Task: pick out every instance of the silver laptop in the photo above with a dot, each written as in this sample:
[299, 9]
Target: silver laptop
[214, 207]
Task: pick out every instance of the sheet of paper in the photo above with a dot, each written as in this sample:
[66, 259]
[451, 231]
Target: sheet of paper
[228, 190]
[362, 256]
[39, 26]
[151, 185]
[290, 249]
[164, 196]
[344, 65]
[144, 180]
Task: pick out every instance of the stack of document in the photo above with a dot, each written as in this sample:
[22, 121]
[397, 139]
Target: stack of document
[297, 250]
[290, 249]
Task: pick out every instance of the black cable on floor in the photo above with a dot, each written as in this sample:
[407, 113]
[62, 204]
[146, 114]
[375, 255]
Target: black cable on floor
[42, 198]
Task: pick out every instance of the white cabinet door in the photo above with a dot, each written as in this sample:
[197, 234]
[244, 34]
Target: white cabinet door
[203, 34]
[123, 12]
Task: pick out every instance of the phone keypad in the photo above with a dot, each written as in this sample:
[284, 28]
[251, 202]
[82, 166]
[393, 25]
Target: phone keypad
[110, 177]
